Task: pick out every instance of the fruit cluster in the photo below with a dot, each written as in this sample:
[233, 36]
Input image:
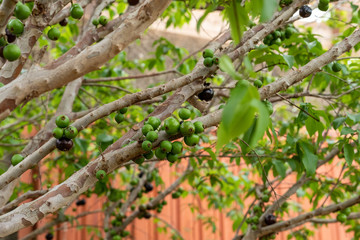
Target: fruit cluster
[278, 36]
[177, 193]
[169, 150]
[342, 216]
[209, 58]
[102, 20]
[119, 117]
[64, 133]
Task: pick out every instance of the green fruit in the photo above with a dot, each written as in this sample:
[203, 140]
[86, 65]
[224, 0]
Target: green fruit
[171, 125]
[139, 160]
[216, 61]
[272, 236]
[265, 198]
[149, 155]
[323, 6]
[134, 182]
[175, 195]
[258, 83]
[11, 52]
[146, 145]
[100, 174]
[160, 154]
[336, 67]
[1, 84]
[208, 53]
[142, 207]
[192, 140]
[15, 26]
[58, 132]
[103, 20]
[150, 109]
[119, 117]
[187, 128]
[341, 217]
[255, 219]
[277, 41]
[257, 208]
[16, 159]
[22, 11]
[70, 132]
[133, 207]
[346, 211]
[199, 127]
[95, 22]
[146, 128]
[123, 110]
[269, 106]
[176, 147]
[166, 146]
[324, 1]
[152, 136]
[62, 121]
[154, 122]
[3, 42]
[172, 157]
[277, 34]
[208, 62]
[54, 34]
[254, 227]
[289, 31]
[116, 237]
[76, 11]
[184, 113]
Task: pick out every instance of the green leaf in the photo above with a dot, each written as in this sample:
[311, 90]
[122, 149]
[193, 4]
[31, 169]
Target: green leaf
[346, 130]
[289, 60]
[338, 122]
[238, 18]
[280, 168]
[348, 153]
[268, 9]
[308, 158]
[227, 66]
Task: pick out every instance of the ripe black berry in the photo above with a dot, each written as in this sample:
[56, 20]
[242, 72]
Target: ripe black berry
[64, 144]
[270, 219]
[148, 187]
[141, 174]
[9, 36]
[49, 236]
[133, 2]
[305, 11]
[147, 215]
[206, 95]
[63, 22]
[80, 202]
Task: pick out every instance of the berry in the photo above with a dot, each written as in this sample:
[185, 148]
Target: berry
[17, 158]
[166, 146]
[123, 110]
[80, 202]
[305, 11]
[63, 22]
[11, 52]
[323, 6]
[208, 53]
[146, 145]
[15, 26]
[150, 109]
[116, 237]
[255, 219]
[341, 217]
[49, 236]
[269, 106]
[208, 62]
[148, 187]
[133, 2]
[175, 195]
[187, 128]
[176, 147]
[192, 140]
[95, 22]
[58, 132]
[254, 227]
[9, 36]
[146, 128]
[76, 11]
[206, 95]
[53, 34]
[62, 121]
[289, 31]
[171, 126]
[3, 42]
[270, 219]
[147, 215]
[172, 157]
[154, 122]
[152, 136]
[100, 174]
[336, 67]
[70, 132]
[134, 182]
[216, 61]
[346, 211]
[257, 208]
[64, 144]
[199, 127]
[22, 11]
[133, 207]
[184, 113]
[119, 117]
[258, 83]
[160, 154]
[103, 20]
[139, 160]
[265, 198]
[149, 155]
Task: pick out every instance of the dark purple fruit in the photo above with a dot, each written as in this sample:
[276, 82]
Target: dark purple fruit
[270, 219]
[305, 11]
[64, 144]
[148, 187]
[80, 202]
[147, 215]
[63, 22]
[141, 174]
[206, 95]
[49, 236]
[133, 2]
[2, 52]
[9, 36]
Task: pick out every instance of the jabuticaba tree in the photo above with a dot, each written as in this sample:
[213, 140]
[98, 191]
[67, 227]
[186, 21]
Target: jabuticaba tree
[66, 78]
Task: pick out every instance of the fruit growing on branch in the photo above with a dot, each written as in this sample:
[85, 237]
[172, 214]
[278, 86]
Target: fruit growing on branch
[305, 11]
